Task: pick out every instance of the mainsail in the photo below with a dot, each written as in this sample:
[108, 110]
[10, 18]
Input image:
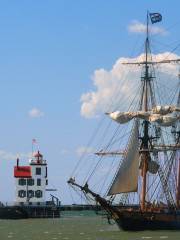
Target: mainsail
[126, 179]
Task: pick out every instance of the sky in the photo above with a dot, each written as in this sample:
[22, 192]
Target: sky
[55, 59]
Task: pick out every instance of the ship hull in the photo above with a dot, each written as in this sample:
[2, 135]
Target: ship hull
[139, 221]
[141, 225]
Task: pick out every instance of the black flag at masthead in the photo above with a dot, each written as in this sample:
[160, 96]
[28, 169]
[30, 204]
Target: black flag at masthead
[155, 17]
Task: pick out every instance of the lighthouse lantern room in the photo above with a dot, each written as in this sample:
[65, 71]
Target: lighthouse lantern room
[31, 181]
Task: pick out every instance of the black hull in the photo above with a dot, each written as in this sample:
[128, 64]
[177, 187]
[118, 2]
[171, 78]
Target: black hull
[138, 221]
[140, 225]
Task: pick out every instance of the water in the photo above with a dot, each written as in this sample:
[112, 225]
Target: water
[75, 226]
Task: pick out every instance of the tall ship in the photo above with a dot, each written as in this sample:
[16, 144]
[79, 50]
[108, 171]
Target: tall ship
[31, 187]
[144, 188]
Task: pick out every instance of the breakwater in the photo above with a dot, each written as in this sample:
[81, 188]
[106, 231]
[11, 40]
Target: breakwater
[80, 207]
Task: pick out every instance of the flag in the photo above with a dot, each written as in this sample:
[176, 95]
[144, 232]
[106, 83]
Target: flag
[155, 17]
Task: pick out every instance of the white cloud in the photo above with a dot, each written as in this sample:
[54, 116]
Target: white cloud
[116, 88]
[4, 155]
[138, 27]
[84, 150]
[35, 113]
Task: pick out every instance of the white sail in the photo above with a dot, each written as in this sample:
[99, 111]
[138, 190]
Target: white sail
[126, 179]
[124, 117]
[162, 119]
[142, 115]
[177, 109]
[163, 110]
[121, 117]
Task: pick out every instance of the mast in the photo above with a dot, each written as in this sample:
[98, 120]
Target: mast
[178, 185]
[178, 155]
[145, 138]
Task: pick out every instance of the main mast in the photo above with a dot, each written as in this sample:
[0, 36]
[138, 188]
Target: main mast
[145, 138]
[178, 160]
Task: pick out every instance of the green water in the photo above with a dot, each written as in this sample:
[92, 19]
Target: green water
[74, 226]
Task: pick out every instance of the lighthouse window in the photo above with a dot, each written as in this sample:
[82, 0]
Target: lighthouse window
[22, 181]
[38, 182]
[38, 193]
[30, 182]
[30, 194]
[22, 193]
[38, 171]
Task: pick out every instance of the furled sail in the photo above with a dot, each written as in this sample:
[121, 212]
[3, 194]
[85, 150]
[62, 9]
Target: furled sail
[143, 115]
[165, 121]
[126, 179]
[159, 114]
[121, 117]
[163, 110]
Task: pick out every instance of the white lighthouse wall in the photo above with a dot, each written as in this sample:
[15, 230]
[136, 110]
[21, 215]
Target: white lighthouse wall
[34, 188]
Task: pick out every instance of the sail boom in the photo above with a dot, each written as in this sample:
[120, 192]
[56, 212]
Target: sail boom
[109, 153]
[156, 148]
[152, 62]
[170, 147]
[160, 149]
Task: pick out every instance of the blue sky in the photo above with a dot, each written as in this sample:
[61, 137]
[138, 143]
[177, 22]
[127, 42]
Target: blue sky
[49, 51]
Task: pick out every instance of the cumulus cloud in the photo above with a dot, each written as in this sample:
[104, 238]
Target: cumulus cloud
[138, 27]
[84, 150]
[35, 113]
[5, 155]
[116, 88]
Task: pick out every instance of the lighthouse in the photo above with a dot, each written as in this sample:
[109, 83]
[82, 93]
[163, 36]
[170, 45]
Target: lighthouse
[31, 181]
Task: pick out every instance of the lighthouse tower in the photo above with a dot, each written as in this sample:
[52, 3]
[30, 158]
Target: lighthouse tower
[31, 181]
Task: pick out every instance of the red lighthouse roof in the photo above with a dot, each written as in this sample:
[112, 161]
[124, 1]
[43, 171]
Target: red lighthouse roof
[37, 154]
[22, 171]
[37, 159]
